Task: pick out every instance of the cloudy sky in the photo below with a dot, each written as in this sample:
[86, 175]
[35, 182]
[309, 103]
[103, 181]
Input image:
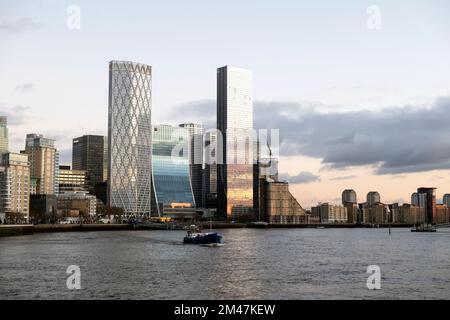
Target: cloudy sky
[357, 106]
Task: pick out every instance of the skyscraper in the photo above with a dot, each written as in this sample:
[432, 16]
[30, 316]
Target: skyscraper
[130, 137]
[235, 122]
[430, 204]
[3, 134]
[195, 132]
[171, 182]
[348, 196]
[44, 162]
[90, 153]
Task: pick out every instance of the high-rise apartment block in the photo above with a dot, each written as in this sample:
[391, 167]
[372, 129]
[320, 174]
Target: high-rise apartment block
[44, 163]
[14, 187]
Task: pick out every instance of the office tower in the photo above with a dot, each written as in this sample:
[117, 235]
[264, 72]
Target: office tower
[14, 187]
[429, 194]
[130, 137]
[44, 163]
[373, 197]
[195, 132]
[3, 135]
[90, 153]
[72, 180]
[171, 185]
[235, 122]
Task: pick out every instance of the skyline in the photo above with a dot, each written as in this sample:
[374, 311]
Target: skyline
[344, 91]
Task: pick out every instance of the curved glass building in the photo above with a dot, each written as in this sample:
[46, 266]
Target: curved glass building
[170, 164]
[130, 137]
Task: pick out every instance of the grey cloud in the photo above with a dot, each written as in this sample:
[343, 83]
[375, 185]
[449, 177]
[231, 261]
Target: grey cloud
[19, 25]
[25, 87]
[16, 115]
[393, 140]
[342, 178]
[302, 177]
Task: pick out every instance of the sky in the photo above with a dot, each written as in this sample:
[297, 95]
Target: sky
[359, 90]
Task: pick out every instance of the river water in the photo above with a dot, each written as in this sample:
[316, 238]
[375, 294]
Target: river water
[253, 264]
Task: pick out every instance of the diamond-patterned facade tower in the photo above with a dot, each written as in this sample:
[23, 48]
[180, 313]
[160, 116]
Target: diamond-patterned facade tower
[129, 137]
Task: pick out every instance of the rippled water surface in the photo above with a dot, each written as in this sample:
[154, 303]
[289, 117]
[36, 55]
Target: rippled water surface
[254, 264]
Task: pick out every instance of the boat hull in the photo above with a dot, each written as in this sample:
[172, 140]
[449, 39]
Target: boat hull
[207, 238]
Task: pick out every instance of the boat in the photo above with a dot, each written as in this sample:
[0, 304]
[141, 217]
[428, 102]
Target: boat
[196, 236]
[424, 228]
[258, 224]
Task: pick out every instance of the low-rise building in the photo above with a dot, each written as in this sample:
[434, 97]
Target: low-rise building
[329, 213]
[82, 201]
[281, 206]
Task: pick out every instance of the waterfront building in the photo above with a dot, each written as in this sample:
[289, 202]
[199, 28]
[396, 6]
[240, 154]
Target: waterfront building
[235, 122]
[442, 214]
[76, 203]
[349, 201]
[377, 213]
[280, 204]
[43, 208]
[171, 184]
[348, 196]
[44, 162]
[446, 199]
[3, 135]
[195, 132]
[129, 137]
[72, 180]
[373, 197]
[429, 195]
[90, 153]
[329, 213]
[407, 213]
[14, 187]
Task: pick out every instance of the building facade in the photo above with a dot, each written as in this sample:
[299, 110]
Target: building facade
[3, 135]
[14, 187]
[130, 137]
[72, 180]
[195, 132]
[280, 204]
[171, 183]
[329, 213]
[427, 199]
[235, 122]
[70, 203]
[90, 153]
[44, 163]
[373, 197]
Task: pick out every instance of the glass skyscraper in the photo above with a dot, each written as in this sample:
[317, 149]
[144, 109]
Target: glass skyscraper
[170, 164]
[3, 135]
[235, 121]
[195, 132]
[130, 137]
[90, 153]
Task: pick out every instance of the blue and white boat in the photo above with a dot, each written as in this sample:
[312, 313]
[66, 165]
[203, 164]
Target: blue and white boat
[196, 236]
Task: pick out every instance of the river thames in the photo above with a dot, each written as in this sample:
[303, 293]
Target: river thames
[253, 264]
